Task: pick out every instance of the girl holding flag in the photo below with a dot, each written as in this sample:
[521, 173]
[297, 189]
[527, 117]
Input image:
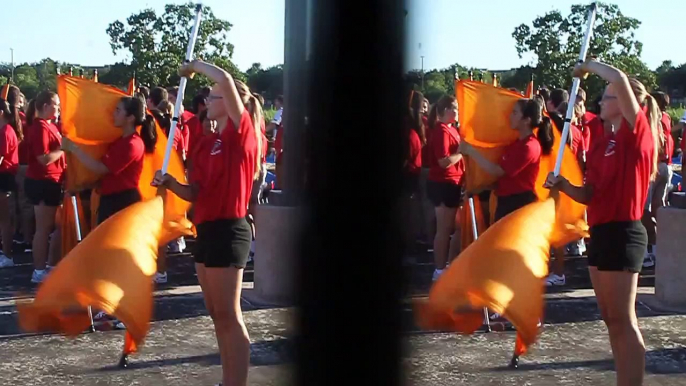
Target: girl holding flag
[619, 170]
[220, 188]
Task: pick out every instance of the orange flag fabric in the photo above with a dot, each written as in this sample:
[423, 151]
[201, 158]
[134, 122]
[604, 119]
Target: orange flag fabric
[87, 110]
[5, 91]
[67, 222]
[131, 89]
[110, 270]
[530, 89]
[503, 270]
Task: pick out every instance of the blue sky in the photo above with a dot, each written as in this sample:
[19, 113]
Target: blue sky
[450, 31]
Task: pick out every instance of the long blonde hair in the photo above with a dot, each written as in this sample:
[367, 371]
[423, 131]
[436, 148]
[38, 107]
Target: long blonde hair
[654, 118]
[255, 109]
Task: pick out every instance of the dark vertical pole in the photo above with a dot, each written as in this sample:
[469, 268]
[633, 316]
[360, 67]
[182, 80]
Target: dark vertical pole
[351, 281]
[295, 99]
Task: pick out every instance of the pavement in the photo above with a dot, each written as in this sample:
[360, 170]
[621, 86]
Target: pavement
[181, 347]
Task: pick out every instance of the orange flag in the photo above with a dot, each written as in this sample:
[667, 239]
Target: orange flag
[67, 222]
[110, 270]
[530, 88]
[5, 91]
[87, 110]
[131, 90]
[504, 271]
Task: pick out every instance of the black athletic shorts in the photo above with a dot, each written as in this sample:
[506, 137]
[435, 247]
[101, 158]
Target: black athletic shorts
[223, 243]
[509, 204]
[113, 203]
[444, 193]
[411, 183]
[618, 246]
[43, 191]
[8, 183]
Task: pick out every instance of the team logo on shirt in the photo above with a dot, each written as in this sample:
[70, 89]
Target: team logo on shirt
[610, 149]
[217, 147]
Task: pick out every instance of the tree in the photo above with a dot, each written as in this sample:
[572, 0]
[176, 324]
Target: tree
[267, 82]
[555, 42]
[157, 44]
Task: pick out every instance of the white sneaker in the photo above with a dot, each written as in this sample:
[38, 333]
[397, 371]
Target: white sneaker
[437, 274]
[649, 260]
[555, 280]
[5, 261]
[39, 276]
[160, 278]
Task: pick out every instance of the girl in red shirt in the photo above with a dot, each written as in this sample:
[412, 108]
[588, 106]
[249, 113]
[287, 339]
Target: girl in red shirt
[43, 183]
[220, 189]
[518, 166]
[25, 215]
[620, 167]
[122, 164]
[9, 163]
[416, 136]
[444, 185]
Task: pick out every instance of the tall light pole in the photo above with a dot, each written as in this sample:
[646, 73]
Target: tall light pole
[12, 56]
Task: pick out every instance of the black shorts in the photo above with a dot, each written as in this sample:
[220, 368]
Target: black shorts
[43, 191]
[618, 246]
[8, 183]
[509, 204]
[444, 193]
[411, 183]
[223, 243]
[113, 203]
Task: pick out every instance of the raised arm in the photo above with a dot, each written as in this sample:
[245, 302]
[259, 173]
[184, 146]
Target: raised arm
[224, 83]
[620, 83]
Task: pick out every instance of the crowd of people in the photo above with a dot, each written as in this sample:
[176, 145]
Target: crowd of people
[624, 147]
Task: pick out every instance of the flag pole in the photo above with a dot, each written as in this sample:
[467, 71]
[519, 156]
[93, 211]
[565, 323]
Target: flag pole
[475, 232]
[79, 237]
[575, 87]
[182, 87]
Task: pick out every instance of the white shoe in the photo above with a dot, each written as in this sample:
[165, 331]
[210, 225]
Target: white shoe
[38, 276]
[555, 280]
[5, 261]
[649, 260]
[437, 274]
[160, 278]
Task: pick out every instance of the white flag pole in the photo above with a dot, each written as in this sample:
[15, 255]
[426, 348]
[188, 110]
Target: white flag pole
[575, 88]
[182, 88]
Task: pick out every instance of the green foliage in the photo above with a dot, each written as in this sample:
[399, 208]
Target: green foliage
[157, 45]
[556, 41]
[269, 114]
[676, 113]
[268, 82]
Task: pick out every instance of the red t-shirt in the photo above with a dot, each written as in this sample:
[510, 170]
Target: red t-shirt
[414, 161]
[669, 141]
[426, 150]
[23, 149]
[43, 138]
[520, 161]
[589, 123]
[225, 177]
[124, 159]
[185, 130]
[445, 140]
[9, 150]
[619, 168]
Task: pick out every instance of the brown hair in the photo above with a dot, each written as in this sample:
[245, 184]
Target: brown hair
[654, 116]
[13, 96]
[414, 115]
[439, 108]
[135, 106]
[662, 100]
[532, 109]
[255, 109]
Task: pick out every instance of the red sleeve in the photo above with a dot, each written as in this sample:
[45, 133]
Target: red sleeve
[415, 148]
[667, 127]
[517, 157]
[441, 144]
[121, 153]
[41, 144]
[577, 140]
[265, 148]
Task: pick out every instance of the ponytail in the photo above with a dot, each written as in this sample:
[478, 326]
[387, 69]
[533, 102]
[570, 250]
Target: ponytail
[654, 116]
[149, 133]
[255, 110]
[433, 116]
[13, 118]
[545, 135]
[414, 115]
